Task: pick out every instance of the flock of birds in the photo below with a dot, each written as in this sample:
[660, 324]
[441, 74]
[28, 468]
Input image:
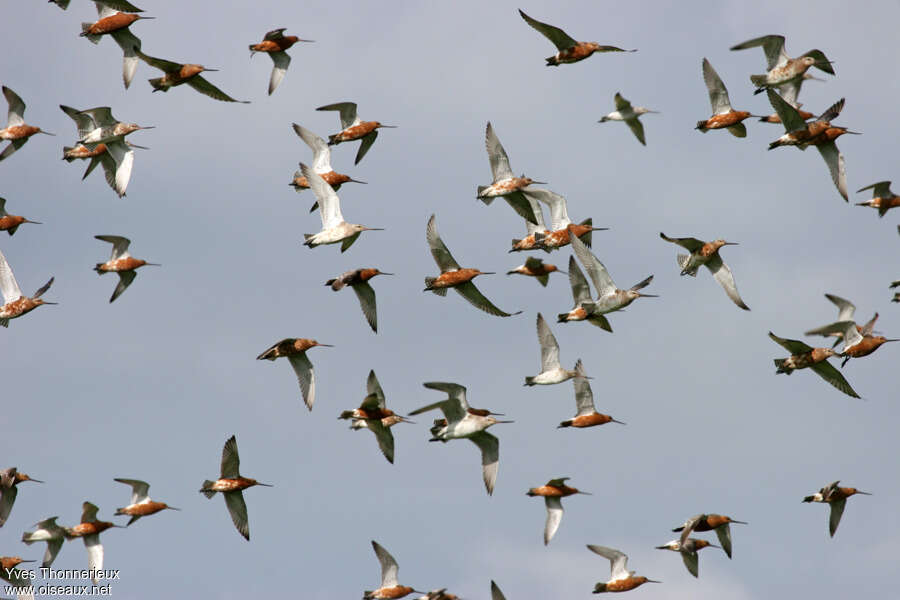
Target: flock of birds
[101, 140]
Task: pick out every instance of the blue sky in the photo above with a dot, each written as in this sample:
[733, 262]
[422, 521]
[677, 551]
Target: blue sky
[151, 386]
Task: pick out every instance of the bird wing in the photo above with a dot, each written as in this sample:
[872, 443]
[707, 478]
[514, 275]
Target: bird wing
[167, 66]
[618, 561]
[723, 275]
[231, 462]
[207, 89]
[723, 532]
[7, 499]
[580, 290]
[364, 145]
[366, 296]
[792, 346]
[439, 251]
[89, 512]
[468, 291]
[549, 345]
[102, 116]
[835, 161]
[95, 553]
[718, 94]
[554, 517]
[690, 244]
[11, 149]
[306, 376]
[688, 528]
[120, 245]
[16, 114]
[532, 195]
[83, 121]
[373, 388]
[130, 44]
[834, 519]
[691, 562]
[275, 34]
[556, 35]
[347, 112]
[584, 397]
[882, 189]
[772, 45]
[389, 566]
[500, 168]
[496, 594]
[384, 437]
[832, 111]
[8, 285]
[139, 489]
[559, 214]
[822, 63]
[321, 162]
[237, 508]
[280, 62]
[595, 269]
[637, 128]
[846, 309]
[490, 457]
[53, 548]
[454, 408]
[524, 207]
[622, 105]
[329, 203]
[829, 373]
[869, 326]
[125, 279]
[789, 115]
[122, 158]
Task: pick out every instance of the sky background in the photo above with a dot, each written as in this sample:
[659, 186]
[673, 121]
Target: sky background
[151, 386]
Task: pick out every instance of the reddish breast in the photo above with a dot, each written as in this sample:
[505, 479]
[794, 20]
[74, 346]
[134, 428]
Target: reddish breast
[83, 529]
[623, 585]
[398, 591]
[578, 52]
[452, 278]
[123, 264]
[590, 420]
[112, 23]
[727, 119]
[355, 132]
[232, 485]
[20, 131]
[143, 509]
[10, 221]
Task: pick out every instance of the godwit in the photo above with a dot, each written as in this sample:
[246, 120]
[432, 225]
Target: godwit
[505, 183]
[358, 279]
[9, 479]
[390, 588]
[463, 423]
[707, 253]
[19, 579]
[535, 232]
[496, 594]
[16, 304]
[230, 483]
[47, 531]
[373, 415]
[625, 112]
[819, 133]
[585, 307]
[141, 505]
[836, 497]
[274, 44]
[859, 341]
[883, 198]
[782, 69]
[570, 51]
[846, 310]
[803, 356]
[9, 223]
[535, 267]
[553, 492]
[354, 128]
[609, 297]
[89, 531]
[295, 351]
[723, 115]
[688, 548]
[789, 93]
[121, 262]
[178, 73]
[334, 228]
[116, 24]
[103, 127]
[16, 131]
[621, 579]
[710, 522]
[452, 275]
[559, 216]
[321, 164]
[586, 415]
[551, 369]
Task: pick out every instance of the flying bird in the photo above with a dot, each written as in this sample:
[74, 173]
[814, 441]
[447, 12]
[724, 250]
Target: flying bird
[688, 548]
[505, 184]
[707, 253]
[334, 228]
[782, 69]
[390, 587]
[587, 415]
[231, 484]
[121, 262]
[570, 51]
[551, 370]
[9, 479]
[354, 128]
[625, 112]
[141, 505]
[553, 492]
[373, 415]
[454, 276]
[16, 303]
[89, 531]
[836, 498]
[621, 579]
[295, 351]
[710, 522]
[47, 531]
[883, 199]
[535, 267]
[10, 223]
[358, 279]
[803, 356]
[116, 24]
[16, 131]
[321, 164]
[723, 115]
[274, 44]
[178, 73]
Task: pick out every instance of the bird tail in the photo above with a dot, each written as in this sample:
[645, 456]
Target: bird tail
[85, 28]
[701, 125]
[682, 262]
[758, 80]
[562, 318]
[205, 489]
[529, 381]
[779, 366]
[429, 283]
[157, 84]
[565, 424]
